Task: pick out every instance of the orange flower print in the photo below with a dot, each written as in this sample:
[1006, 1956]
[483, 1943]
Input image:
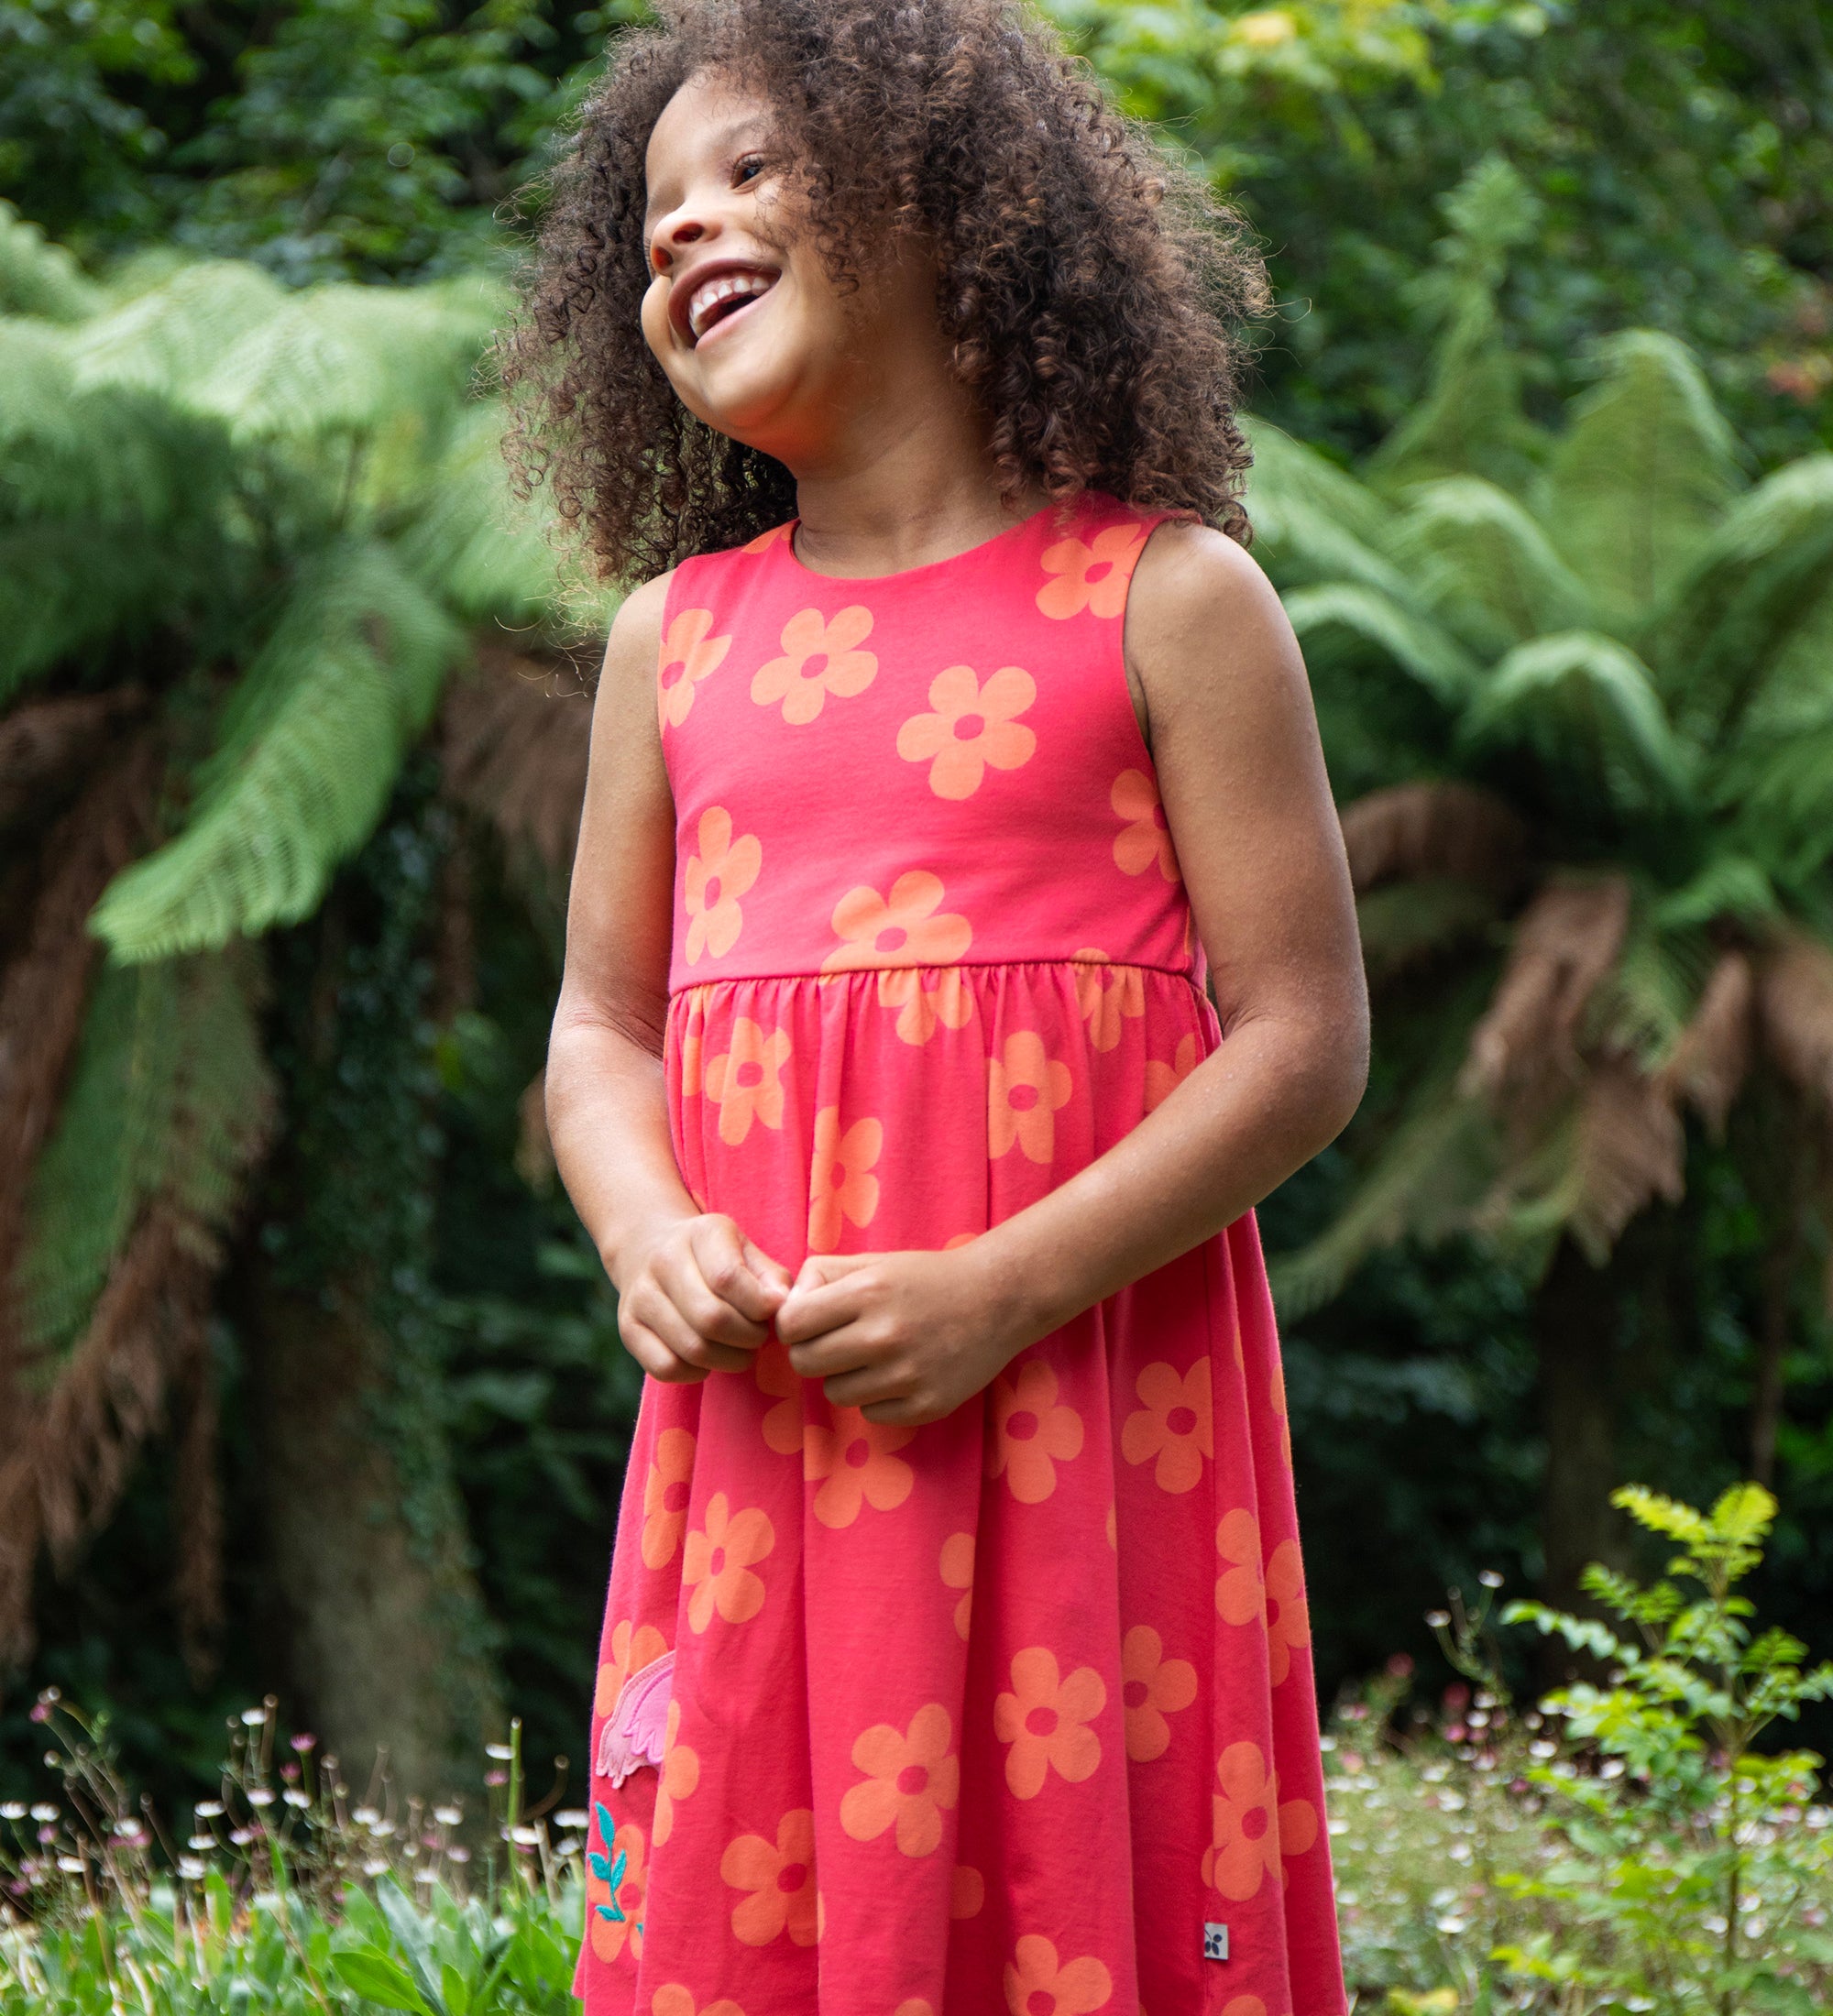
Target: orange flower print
[915, 2006]
[1240, 1589]
[1244, 2005]
[1163, 1079]
[1174, 1424]
[671, 1998]
[1144, 840]
[1277, 1396]
[718, 1562]
[688, 655]
[957, 1566]
[779, 1876]
[665, 1496]
[1038, 1984]
[608, 1935]
[855, 1459]
[1152, 1687]
[718, 873]
[745, 1082]
[900, 929]
[972, 726]
[777, 1377]
[911, 1780]
[1032, 1432]
[1025, 1089]
[632, 1648]
[1289, 1625]
[967, 1893]
[925, 997]
[1253, 1828]
[1091, 575]
[1045, 1720]
[1245, 1593]
[693, 1046]
[1107, 995]
[840, 668]
[842, 1185]
[679, 1775]
[765, 540]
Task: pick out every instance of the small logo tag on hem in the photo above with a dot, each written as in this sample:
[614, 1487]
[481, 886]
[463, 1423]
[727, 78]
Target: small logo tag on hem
[1215, 1941]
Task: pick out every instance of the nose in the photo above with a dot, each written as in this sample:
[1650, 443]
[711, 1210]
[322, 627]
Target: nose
[677, 231]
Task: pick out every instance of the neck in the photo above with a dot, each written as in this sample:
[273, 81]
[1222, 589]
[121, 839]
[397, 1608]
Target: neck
[908, 482]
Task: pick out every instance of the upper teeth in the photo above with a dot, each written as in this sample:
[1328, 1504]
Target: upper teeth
[708, 297]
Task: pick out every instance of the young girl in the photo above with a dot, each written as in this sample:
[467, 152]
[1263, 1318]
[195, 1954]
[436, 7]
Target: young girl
[956, 1657]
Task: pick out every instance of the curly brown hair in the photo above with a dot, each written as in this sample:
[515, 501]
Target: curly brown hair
[1094, 295]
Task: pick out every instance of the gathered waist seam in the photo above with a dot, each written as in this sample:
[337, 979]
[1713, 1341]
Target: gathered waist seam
[1183, 973]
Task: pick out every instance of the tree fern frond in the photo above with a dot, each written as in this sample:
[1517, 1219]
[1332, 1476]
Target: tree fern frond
[1470, 421]
[489, 557]
[1730, 886]
[1416, 644]
[1314, 521]
[1420, 1185]
[1641, 476]
[1754, 611]
[1579, 696]
[1485, 566]
[175, 337]
[65, 588]
[308, 750]
[169, 1098]
[342, 360]
[1402, 922]
[38, 277]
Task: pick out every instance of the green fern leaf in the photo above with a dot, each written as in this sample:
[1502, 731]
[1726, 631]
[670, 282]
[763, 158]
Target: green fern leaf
[1641, 476]
[1752, 616]
[347, 359]
[39, 279]
[170, 1097]
[1470, 420]
[1420, 1184]
[470, 541]
[1581, 699]
[176, 337]
[1420, 647]
[1314, 521]
[1485, 567]
[308, 751]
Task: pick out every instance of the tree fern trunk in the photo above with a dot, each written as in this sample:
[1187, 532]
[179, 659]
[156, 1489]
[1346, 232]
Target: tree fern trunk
[385, 1633]
[390, 1646]
[1575, 1322]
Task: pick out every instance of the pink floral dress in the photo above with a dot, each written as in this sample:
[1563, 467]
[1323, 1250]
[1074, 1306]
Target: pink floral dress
[1012, 1713]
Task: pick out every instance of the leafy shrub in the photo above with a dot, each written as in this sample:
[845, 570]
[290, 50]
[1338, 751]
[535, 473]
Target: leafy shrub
[1694, 1865]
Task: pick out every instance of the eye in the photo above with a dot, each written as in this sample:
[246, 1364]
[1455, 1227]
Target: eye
[747, 168]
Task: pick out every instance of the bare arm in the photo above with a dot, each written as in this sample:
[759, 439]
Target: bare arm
[694, 1294]
[1235, 741]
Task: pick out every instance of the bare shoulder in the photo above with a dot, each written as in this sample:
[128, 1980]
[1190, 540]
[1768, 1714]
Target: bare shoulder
[636, 633]
[1203, 622]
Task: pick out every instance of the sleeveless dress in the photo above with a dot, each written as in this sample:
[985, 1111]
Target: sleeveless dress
[1013, 1712]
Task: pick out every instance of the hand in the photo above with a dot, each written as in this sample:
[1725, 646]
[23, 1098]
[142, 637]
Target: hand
[700, 1300]
[905, 1337]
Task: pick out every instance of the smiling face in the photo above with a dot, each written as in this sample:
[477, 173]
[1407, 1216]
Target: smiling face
[758, 338]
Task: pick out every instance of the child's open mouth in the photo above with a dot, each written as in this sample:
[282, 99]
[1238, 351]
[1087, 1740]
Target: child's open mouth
[722, 295]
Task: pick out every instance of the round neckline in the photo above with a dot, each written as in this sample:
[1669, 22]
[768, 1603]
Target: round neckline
[909, 574]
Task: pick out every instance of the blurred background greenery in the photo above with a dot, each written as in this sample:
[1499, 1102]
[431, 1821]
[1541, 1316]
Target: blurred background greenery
[308, 1381]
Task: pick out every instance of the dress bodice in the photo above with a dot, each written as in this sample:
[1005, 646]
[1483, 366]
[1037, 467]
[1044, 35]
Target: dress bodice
[934, 768]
